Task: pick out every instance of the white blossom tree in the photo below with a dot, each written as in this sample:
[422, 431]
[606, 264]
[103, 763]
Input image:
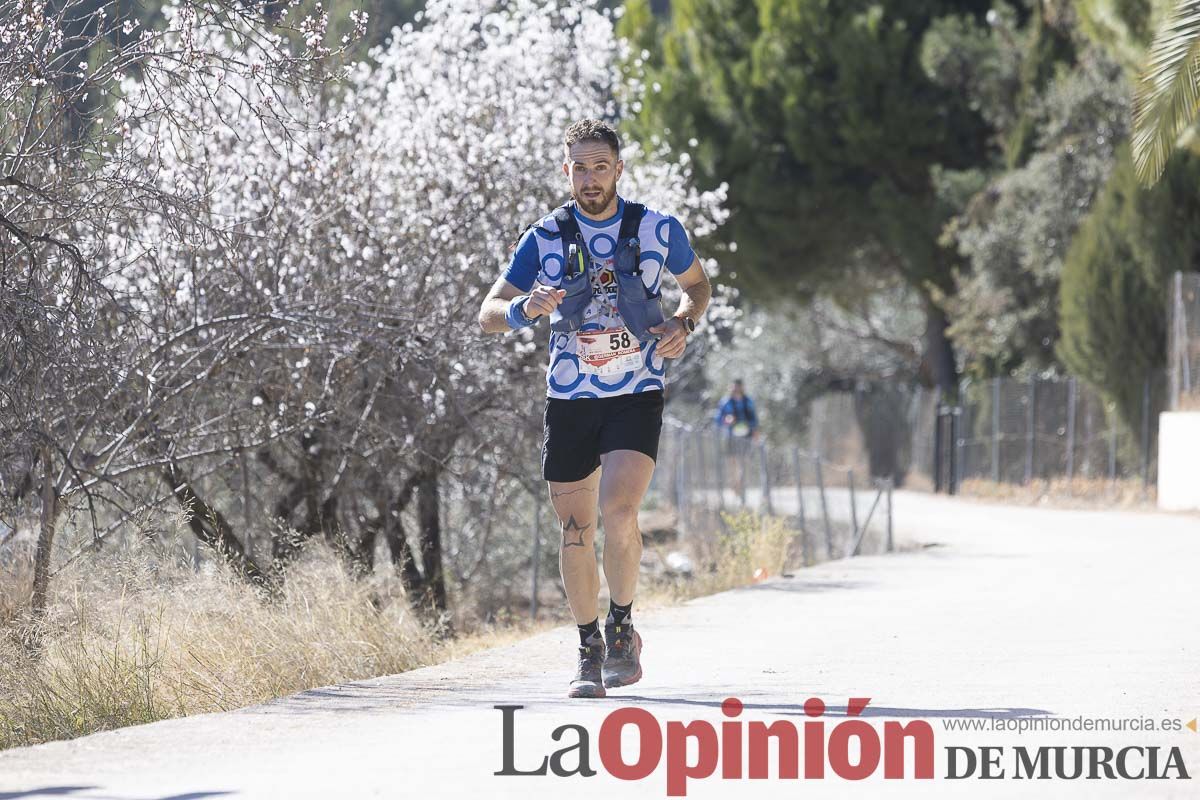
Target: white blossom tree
[313, 309]
[75, 413]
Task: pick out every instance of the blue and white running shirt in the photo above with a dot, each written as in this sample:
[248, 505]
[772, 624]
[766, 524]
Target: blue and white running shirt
[538, 258]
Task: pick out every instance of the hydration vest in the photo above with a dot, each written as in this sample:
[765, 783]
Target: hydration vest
[639, 308]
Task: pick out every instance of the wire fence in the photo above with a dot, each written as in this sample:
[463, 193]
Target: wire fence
[1004, 430]
[1016, 431]
[838, 511]
[1183, 343]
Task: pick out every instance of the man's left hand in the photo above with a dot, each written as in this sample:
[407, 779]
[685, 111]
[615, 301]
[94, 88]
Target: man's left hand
[673, 341]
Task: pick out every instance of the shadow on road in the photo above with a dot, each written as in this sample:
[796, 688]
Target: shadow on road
[797, 709]
[793, 584]
[72, 791]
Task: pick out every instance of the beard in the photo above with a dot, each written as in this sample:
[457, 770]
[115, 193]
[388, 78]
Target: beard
[598, 203]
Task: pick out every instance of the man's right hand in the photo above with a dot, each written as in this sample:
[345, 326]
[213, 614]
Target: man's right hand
[542, 300]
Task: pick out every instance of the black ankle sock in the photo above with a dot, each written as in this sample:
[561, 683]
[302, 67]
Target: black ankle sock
[586, 632]
[619, 615]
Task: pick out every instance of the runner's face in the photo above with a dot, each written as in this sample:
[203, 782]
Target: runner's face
[593, 168]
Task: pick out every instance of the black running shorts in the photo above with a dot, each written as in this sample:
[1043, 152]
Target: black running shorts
[578, 431]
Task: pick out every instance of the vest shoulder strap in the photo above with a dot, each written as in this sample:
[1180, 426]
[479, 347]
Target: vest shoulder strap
[567, 225]
[631, 220]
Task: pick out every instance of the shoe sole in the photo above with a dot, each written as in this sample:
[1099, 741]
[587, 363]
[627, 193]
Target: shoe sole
[635, 677]
[587, 691]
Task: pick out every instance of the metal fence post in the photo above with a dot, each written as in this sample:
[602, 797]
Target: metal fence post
[853, 503]
[938, 438]
[824, 509]
[678, 441]
[890, 482]
[247, 513]
[1030, 423]
[764, 479]
[537, 549]
[1146, 432]
[805, 546]
[1180, 372]
[1112, 449]
[955, 449]
[996, 430]
[740, 457]
[719, 462]
[1071, 398]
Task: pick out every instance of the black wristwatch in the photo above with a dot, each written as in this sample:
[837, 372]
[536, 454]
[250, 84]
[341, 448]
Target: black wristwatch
[689, 324]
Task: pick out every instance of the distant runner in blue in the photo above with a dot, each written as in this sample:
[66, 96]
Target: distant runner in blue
[736, 416]
[595, 267]
[737, 420]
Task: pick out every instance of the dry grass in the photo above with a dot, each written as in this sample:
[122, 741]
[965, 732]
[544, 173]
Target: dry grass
[1061, 493]
[134, 637]
[753, 547]
[1188, 401]
[16, 576]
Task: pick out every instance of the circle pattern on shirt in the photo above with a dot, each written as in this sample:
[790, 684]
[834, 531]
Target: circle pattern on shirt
[551, 270]
[564, 377]
[608, 242]
[644, 261]
[660, 228]
[558, 377]
[598, 382]
[652, 356]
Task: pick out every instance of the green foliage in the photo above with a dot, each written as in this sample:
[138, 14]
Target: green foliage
[1047, 48]
[980, 59]
[1115, 276]
[825, 125]
[1014, 235]
[1122, 27]
[1001, 64]
[1168, 94]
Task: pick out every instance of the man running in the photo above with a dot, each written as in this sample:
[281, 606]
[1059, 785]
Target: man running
[736, 416]
[737, 420]
[595, 266]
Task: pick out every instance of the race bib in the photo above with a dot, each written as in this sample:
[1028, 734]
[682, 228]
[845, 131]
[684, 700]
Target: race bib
[612, 351]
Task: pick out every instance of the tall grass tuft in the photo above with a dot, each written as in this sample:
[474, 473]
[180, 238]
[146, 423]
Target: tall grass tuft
[749, 547]
[134, 636]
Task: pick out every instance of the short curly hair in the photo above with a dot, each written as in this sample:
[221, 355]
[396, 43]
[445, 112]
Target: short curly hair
[593, 130]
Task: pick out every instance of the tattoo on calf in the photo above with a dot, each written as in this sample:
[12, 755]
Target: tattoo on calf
[572, 533]
[573, 491]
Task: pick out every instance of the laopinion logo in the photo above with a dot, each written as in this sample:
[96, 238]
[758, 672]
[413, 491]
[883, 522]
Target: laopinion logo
[720, 747]
[736, 748]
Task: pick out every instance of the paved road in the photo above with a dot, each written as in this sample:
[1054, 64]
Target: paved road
[993, 614]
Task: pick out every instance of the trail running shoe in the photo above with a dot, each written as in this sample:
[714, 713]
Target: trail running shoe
[623, 665]
[587, 682]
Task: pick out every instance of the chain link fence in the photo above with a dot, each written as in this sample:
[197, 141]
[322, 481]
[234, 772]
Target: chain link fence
[1003, 430]
[837, 510]
[1014, 431]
